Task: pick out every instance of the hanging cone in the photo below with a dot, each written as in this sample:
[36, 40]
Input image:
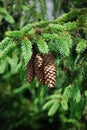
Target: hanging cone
[49, 70]
[39, 68]
[30, 69]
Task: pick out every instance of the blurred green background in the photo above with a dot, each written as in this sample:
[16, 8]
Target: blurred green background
[20, 102]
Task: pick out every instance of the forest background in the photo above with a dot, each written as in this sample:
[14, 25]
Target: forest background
[63, 28]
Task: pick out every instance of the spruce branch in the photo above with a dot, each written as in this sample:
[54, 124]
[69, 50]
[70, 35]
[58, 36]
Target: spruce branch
[74, 14]
[65, 97]
[53, 103]
[14, 34]
[56, 36]
[64, 43]
[53, 108]
[6, 15]
[81, 46]
[20, 64]
[8, 49]
[26, 47]
[42, 46]
[4, 42]
[3, 65]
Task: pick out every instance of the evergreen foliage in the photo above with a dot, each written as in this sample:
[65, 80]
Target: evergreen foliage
[5, 15]
[26, 47]
[66, 38]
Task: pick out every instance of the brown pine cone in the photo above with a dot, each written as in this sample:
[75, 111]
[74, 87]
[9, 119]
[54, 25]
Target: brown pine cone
[30, 69]
[39, 68]
[49, 70]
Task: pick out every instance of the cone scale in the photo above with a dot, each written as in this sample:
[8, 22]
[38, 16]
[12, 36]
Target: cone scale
[39, 68]
[49, 70]
[30, 69]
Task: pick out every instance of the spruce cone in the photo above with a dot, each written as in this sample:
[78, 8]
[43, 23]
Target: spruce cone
[44, 68]
[49, 70]
[39, 68]
[30, 69]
